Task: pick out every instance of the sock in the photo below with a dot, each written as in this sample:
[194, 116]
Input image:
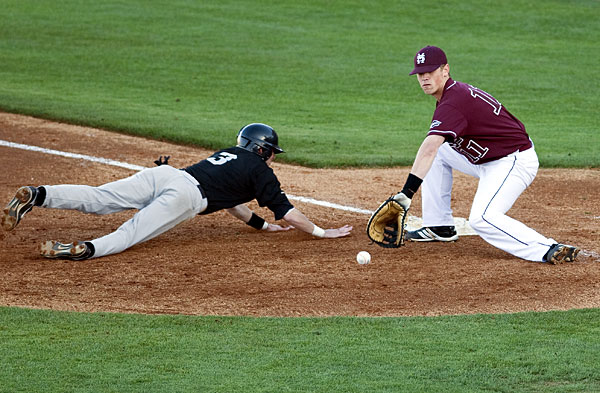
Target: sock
[41, 196]
[91, 249]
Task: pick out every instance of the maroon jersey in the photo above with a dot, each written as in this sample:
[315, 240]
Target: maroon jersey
[476, 125]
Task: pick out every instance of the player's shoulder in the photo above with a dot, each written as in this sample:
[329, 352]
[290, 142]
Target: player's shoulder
[245, 155]
[455, 88]
[248, 160]
[239, 153]
[456, 93]
[231, 149]
[465, 89]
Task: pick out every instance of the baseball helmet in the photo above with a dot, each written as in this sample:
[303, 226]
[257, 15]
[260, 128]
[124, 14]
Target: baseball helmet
[259, 139]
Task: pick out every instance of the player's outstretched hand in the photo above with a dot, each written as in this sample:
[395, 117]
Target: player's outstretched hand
[338, 232]
[276, 228]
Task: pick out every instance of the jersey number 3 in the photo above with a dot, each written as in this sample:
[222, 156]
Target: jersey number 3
[221, 158]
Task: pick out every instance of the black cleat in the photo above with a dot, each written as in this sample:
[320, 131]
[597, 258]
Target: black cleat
[433, 234]
[15, 210]
[74, 251]
[560, 253]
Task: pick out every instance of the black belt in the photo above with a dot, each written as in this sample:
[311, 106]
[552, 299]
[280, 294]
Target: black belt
[201, 191]
[199, 186]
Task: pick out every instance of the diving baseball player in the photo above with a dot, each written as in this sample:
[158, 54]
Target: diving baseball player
[471, 131]
[166, 196]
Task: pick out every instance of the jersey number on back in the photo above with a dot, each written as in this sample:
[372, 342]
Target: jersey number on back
[222, 158]
[488, 98]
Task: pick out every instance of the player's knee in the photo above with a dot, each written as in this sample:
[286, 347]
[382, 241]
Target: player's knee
[478, 221]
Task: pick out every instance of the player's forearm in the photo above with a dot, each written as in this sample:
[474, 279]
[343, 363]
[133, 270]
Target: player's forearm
[421, 166]
[301, 222]
[423, 161]
[241, 212]
[244, 213]
[426, 155]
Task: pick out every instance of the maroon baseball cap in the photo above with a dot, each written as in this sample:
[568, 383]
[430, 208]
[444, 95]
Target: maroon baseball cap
[428, 59]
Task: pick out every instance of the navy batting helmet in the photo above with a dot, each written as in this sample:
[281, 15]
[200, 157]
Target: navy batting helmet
[259, 139]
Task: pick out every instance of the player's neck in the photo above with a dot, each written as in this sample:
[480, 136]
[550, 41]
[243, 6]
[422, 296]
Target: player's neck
[440, 92]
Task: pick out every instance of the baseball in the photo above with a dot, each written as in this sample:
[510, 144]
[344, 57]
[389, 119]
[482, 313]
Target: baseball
[363, 257]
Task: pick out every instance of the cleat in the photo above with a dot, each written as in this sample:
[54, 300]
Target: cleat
[433, 234]
[74, 251]
[560, 253]
[23, 202]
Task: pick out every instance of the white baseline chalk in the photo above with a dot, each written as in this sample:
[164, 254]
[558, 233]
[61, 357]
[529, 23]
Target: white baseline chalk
[72, 155]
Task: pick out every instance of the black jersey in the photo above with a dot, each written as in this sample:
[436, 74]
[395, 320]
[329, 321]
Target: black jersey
[234, 176]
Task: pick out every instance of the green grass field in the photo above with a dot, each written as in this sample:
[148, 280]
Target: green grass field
[332, 78]
[530, 352]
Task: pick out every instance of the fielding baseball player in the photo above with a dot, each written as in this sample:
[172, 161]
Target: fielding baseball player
[166, 196]
[473, 132]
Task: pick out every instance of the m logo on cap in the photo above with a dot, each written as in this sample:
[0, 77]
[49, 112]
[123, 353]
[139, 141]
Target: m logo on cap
[428, 59]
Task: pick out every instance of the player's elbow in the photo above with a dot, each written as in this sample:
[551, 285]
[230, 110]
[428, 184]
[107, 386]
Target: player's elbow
[431, 145]
[291, 215]
[428, 154]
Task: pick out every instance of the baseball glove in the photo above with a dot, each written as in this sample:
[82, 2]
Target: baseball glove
[386, 225]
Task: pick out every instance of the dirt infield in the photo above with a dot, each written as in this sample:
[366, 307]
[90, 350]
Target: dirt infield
[215, 265]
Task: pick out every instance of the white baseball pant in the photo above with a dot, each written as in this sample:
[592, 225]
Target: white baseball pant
[500, 184]
[165, 196]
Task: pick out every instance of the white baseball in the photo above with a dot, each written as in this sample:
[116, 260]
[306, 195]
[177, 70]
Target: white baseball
[363, 257]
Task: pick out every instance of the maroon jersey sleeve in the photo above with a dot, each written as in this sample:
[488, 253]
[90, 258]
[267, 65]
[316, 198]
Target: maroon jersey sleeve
[448, 122]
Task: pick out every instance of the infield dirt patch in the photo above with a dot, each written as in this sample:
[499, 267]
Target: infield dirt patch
[216, 265]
